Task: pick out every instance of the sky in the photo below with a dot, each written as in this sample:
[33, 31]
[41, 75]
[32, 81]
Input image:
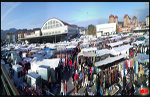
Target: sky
[29, 15]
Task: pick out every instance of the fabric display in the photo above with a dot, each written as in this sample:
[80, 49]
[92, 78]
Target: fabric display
[131, 63]
[137, 67]
[128, 63]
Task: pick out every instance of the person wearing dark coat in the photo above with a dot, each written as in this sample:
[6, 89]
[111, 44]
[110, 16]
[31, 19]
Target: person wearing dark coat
[132, 90]
[124, 81]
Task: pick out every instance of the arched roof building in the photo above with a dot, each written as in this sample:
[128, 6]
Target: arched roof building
[55, 26]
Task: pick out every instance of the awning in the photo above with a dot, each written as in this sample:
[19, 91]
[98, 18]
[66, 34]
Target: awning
[110, 60]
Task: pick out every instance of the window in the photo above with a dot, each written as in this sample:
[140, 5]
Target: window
[52, 32]
[18, 74]
[53, 22]
[56, 25]
[60, 24]
[48, 27]
[29, 80]
[56, 22]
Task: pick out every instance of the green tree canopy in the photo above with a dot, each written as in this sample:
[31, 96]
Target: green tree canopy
[91, 30]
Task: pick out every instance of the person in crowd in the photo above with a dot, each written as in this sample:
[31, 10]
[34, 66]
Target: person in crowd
[65, 88]
[124, 81]
[76, 77]
[50, 82]
[86, 93]
[132, 90]
[62, 88]
[73, 77]
[81, 76]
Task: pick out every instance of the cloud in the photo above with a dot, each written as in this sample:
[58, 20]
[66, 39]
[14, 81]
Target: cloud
[142, 12]
[13, 6]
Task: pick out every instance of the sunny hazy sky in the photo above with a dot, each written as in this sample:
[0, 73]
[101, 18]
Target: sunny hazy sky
[31, 15]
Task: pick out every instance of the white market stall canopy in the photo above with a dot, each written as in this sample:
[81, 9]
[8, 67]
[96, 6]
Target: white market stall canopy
[36, 62]
[117, 43]
[110, 60]
[73, 45]
[87, 54]
[138, 42]
[114, 51]
[142, 58]
[88, 49]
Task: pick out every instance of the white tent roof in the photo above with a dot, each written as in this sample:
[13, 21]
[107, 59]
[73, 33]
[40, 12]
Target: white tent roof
[138, 42]
[88, 49]
[53, 63]
[117, 43]
[114, 51]
[110, 60]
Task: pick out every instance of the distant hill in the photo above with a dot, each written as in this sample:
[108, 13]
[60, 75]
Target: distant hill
[4, 32]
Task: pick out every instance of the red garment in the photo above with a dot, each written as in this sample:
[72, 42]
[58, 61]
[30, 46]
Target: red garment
[91, 70]
[71, 63]
[65, 87]
[75, 77]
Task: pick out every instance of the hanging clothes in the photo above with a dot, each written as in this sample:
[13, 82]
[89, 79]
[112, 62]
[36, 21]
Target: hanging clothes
[128, 63]
[131, 63]
[137, 67]
[124, 66]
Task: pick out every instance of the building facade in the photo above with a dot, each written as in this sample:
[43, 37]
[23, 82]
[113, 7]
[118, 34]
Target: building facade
[116, 19]
[147, 21]
[134, 21]
[20, 35]
[32, 33]
[54, 27]
[124, 29]
[127, 20]
[105, 29]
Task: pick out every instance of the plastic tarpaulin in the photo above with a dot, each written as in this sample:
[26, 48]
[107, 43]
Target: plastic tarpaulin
[142, 58]
[47, 49]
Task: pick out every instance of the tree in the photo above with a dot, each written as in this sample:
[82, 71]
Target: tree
[91, 30]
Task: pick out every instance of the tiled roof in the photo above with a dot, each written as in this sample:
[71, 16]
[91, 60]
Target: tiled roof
[134, 17]
[111, 15]
[116, 16]
[125, 15]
